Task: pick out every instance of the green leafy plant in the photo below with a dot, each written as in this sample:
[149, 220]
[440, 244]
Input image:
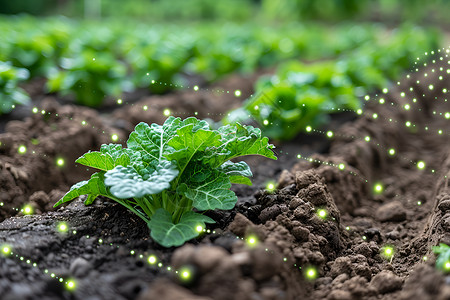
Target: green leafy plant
[10, 93]
[168, 170]
[298, 96]
[90, 76]
[443, 259]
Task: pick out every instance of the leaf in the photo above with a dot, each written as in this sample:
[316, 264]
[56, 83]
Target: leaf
[151, 141]
[188, 142]
[240, 168]
[240, 180]
[238, 140]
[168, 234]
[108, 158]
[237, 172]
[138, 180]
[212, 193]
[93, 187]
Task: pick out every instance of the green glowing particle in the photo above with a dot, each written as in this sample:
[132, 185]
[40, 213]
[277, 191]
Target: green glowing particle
[311, 273]
[322, 213]
[62, 227]
[22, 149]
[152, 259]
[27, 210]
[378, 188]
[421, 165]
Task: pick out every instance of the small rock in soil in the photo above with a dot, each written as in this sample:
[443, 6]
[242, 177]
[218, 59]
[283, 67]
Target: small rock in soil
[80, 267]
[391, 212]
[386, 282]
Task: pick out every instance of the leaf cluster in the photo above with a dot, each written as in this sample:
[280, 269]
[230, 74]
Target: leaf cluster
[169, 174]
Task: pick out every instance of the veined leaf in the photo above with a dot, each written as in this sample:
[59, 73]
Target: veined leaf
[212, 193]
[242, 140]
[168, 234]
[240, 168]
[240, 180]
[138, 180]
[108, 158]
[190, 143]
[93, 187]
[151, 141]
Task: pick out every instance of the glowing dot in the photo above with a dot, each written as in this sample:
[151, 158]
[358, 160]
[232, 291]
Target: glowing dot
[385, 90]
[35, 110]
[402, 94]
[132, 252]
[375, 116]
[421, 165]
[256, 107]
[60, 162]
[330, 134]
[391, 151]
[43, 112]
[311, 273]
[378, 188]
[381, 100]
[447, 266]
[62, 227]
[366, 97]
[153, 81]
[367, 138]
[425, 258]
[22, 149]
[6, 250]
[364, 237]
[322, 213]
[430, 87]
[199, 228]
[166, 112]
[27, 210]
[407, 106]
[266, 122]
[83, 123]
[419, 203]
[196, 88]
[359, 111]
[145, 107]
[347, 228]
[185, 274]
[270, 187]
[387, 251]
[447, 115]
[237, 93]
[341, 166]
[408, 124]
[308, 128]
[114, 137]
[152, 259]
[71, 285]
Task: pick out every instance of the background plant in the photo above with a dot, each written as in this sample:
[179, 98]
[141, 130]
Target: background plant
[10, 93]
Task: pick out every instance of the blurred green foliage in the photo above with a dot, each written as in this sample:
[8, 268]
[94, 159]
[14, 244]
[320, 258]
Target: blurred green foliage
[10, 93]
[390, 11]
[301, 95]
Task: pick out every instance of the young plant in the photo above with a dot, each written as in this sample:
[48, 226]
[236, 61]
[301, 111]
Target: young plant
[443, 259]
[10, 93]
[168, 170]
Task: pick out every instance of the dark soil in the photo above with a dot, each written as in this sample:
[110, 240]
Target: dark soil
[106, 247]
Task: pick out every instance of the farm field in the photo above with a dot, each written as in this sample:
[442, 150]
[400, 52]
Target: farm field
[201, 150]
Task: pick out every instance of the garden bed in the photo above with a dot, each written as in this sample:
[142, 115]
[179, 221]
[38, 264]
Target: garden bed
[273, 245]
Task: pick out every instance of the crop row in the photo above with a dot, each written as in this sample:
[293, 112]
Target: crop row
[90, 61]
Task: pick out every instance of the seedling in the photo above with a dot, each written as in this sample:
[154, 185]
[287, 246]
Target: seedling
[170, 169]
